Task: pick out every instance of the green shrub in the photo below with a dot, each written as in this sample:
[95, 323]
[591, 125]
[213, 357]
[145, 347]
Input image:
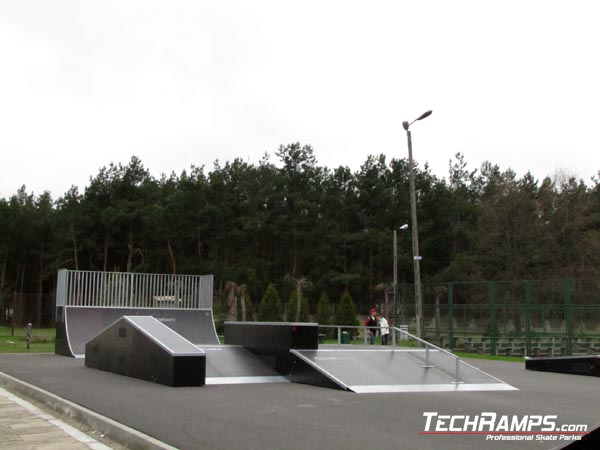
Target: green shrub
[269, 309]
[324, 314]
[345, 313]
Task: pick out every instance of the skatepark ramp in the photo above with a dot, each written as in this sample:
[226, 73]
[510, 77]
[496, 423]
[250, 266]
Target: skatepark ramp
[88, 301]
[255, 352]
[417, 366]
[142, 347]
[234, 364]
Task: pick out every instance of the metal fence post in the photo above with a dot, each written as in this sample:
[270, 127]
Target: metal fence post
[567, 288]
[451, 316]
[527, 289]
[28, 335]
[492, 320]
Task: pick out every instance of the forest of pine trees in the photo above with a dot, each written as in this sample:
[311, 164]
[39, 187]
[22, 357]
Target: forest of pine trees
[264, 224]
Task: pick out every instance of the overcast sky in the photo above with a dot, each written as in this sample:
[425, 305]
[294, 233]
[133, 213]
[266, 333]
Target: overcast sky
[176, 83]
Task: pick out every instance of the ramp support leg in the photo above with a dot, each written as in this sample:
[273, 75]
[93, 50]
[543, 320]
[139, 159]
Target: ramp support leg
[427, 362]
[457, 374]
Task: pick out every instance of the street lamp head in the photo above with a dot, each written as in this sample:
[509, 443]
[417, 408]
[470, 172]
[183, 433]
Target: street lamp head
[404, 227]
[405, 124]
[425, 114]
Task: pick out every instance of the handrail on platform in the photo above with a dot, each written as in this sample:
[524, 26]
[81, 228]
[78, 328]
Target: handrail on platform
[396, 330]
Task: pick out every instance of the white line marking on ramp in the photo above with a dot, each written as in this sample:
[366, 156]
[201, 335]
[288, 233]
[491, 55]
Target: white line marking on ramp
[245, 380]
[462, 387]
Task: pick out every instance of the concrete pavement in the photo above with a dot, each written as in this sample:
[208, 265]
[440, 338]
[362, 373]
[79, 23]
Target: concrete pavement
[293, 416]
[23, 426]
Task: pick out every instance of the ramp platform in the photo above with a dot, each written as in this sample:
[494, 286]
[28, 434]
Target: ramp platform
[370, 370]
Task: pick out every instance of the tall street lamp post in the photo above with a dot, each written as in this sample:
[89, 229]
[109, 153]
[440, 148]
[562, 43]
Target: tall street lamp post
[395, 283]
[415, 231]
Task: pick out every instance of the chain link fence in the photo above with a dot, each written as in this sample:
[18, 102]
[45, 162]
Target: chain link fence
[524, 318]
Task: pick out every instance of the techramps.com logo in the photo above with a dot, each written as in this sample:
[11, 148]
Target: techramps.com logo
[496, 427]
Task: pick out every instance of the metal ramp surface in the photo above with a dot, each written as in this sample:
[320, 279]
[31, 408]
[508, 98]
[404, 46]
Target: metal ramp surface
[80, 324]
[372, 370]
[87, 302]
[234, 364]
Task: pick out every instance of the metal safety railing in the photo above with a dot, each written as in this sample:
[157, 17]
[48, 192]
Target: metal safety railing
[404, 336]
[133, 290]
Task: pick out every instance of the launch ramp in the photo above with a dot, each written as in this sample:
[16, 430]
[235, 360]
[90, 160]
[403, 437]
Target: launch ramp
[372, 369]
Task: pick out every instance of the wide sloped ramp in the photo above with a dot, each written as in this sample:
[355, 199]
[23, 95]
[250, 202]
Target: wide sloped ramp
[234, 364]
[371, 370]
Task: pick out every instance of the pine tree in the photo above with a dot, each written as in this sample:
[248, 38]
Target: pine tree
[324, 315]
[345, 313]
[269, 309]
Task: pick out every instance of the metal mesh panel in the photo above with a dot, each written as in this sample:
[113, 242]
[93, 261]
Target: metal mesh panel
[134, 290]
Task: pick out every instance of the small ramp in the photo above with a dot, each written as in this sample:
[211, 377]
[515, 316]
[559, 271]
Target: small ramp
[234, 364]
[371, 370]
[143, 347]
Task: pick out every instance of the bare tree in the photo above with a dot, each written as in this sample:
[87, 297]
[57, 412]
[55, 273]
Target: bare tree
[230, 288]
[300, 283]
[241, 292]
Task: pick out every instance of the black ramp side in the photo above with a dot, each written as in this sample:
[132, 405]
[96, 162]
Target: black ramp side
[576, 365]
[142, 347]
[83, 323]
[272, 341]
[590, 441]
[386, 370]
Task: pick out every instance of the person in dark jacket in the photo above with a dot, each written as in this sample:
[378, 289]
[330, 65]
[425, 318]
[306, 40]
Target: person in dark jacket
[371, 324]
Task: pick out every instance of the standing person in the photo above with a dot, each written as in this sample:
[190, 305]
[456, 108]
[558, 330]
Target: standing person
[384, 329]
[371, 324]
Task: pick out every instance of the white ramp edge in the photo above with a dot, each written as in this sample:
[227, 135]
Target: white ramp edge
[246, 380]
[459, 387]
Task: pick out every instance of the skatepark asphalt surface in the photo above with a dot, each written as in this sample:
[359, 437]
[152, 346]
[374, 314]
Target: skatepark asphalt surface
[293, 416]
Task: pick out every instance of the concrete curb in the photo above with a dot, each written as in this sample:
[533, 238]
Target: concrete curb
[115, 431]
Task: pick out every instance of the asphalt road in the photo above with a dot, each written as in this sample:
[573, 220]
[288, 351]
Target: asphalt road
[293, 417]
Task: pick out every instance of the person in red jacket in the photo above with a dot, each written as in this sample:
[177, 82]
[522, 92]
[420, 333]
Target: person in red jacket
[371, 323]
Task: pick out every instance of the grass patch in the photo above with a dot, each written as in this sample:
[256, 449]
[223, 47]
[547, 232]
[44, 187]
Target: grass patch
[42, 340]
[377, 342]
[518, 359]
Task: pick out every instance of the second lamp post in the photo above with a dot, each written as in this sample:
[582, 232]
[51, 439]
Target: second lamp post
[415, 231]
